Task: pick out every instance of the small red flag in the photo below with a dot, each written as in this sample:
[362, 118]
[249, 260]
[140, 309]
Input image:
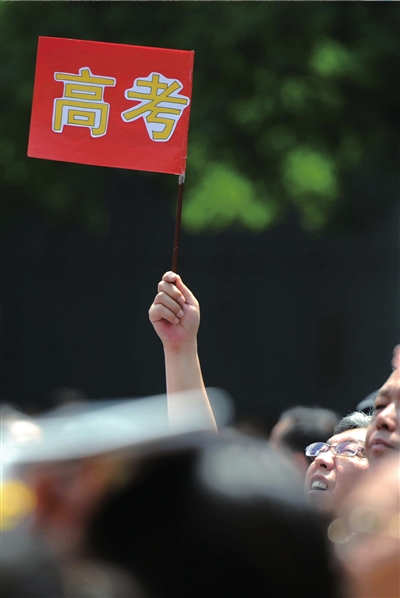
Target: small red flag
[111, 105]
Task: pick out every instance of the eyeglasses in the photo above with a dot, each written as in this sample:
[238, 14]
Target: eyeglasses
[343, 449]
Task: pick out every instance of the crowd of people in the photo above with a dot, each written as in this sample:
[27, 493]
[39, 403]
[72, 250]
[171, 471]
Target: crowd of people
[349, 457]
[312, 511]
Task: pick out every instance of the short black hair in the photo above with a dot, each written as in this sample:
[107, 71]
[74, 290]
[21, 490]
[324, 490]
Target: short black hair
[218, 520]
[306, 425]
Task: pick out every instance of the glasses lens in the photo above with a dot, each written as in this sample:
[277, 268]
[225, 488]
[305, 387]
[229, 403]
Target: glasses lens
[314, 449]
[346, 449]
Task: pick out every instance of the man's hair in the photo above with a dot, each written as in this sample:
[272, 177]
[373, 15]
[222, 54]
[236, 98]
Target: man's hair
[305, 425]
[183, 527]
[357, 419]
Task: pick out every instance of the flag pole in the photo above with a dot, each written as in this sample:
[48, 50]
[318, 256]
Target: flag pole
[178, 223]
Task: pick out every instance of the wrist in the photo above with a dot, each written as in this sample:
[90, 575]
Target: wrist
[181, 349]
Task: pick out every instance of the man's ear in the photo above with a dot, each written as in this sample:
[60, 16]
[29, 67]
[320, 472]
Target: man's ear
[66, 496]
[68, 492]
[50, 496]
[396, 357]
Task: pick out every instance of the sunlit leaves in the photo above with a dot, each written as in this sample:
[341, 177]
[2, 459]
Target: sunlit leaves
[330, 58]
[294, 93]
[311, 182]
[308, 171]
[224, 198]
[294, 106]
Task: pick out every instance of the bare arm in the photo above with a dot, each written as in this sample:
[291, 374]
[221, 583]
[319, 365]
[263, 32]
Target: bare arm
[175, 316]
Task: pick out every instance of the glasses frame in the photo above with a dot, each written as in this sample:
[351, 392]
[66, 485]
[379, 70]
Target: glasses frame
[333, 447]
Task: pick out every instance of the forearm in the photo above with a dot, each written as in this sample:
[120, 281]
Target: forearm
[187, 396]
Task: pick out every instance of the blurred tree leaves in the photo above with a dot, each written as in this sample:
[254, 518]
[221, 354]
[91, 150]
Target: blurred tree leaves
[295, 109]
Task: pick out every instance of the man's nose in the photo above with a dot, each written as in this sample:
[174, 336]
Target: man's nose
[386, 418]
[325, 460]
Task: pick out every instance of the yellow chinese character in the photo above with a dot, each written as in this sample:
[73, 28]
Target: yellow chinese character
[161, 106]
[82, 104]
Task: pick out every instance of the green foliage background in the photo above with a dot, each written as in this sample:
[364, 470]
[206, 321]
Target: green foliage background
[295, 109]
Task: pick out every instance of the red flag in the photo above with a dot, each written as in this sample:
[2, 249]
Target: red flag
[111, 105]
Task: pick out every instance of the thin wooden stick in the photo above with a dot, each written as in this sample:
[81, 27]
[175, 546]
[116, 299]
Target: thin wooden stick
[178, 223]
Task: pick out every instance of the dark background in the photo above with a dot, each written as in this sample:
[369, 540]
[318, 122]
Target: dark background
[291, 313]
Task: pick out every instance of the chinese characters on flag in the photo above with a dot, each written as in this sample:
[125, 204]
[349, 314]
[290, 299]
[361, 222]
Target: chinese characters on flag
[111, 105]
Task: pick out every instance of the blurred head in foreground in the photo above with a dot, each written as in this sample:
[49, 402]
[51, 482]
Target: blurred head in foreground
[338, 464]
[383, 436]
[300, 426]
[220, 517]
[367, 534]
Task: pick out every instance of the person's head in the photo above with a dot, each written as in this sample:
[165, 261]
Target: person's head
[217, 519]
[367, 532]
[298, 427]
[338, 464]
[383, 434]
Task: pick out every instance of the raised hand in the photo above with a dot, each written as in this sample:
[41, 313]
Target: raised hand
[175, 313]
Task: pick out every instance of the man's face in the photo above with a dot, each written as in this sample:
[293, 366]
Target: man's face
[330, 477]
[383, 434]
